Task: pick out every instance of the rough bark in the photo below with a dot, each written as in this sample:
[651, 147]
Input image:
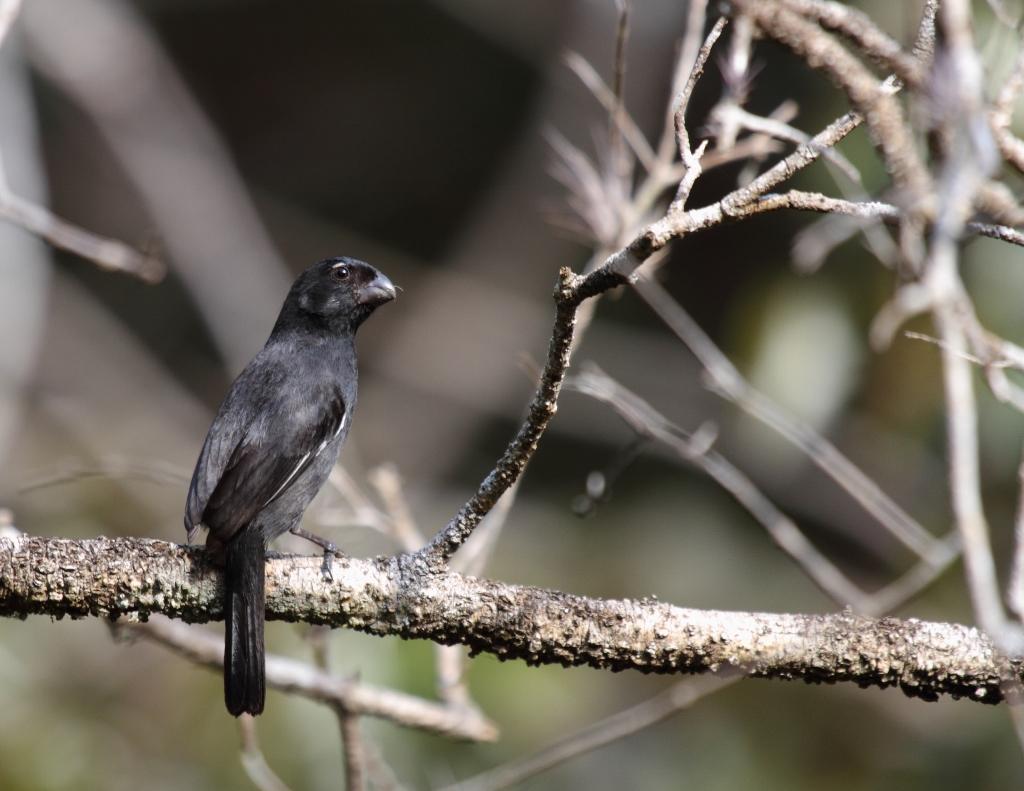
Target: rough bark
[401, 596]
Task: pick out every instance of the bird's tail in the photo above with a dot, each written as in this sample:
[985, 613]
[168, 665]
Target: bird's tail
[244, 614]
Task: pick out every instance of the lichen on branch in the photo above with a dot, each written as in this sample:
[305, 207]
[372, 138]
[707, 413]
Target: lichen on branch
[114, 577]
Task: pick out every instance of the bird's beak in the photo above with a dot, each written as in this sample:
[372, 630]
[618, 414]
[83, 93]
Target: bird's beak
[377, 291]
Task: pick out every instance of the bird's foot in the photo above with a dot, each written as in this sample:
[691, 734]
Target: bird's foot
[328, 564]
[329, 547]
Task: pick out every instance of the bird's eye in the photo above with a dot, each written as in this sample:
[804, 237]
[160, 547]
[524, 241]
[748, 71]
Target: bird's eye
[340, 273]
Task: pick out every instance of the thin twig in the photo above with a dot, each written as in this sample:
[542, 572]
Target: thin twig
[387, 481]
[106, 253]
[866, 210]
[966, 166]
[290, 675]
[858, 28]
[620, 163]
[733, 115]
[729, 383]
[571, 292]
[352, 746]
[787, 167]
[631, 133]
[591, 195]
[109, 468]
[882, 112]
[622, 120]
[1001, 115]
[696, 16]
[912, 582]
[735, 70]
[1015, 587]
[646, 421]
[8, 13]
[681, 103]
[965, 483]
[924, 42]
[253, 760]
[603, 732]
[360, 509]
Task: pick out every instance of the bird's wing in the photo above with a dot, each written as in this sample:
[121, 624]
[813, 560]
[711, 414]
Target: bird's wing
[228, 428]
[255, 451]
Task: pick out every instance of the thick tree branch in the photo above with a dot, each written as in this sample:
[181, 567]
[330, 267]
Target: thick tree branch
[394, 596]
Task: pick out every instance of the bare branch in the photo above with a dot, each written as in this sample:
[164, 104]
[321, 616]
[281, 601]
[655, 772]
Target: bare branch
[815, 201]
[8, 13]
[388, 483]
[110, 467]
[728, 383]
[352, 746]
[682, 102]
[570, 293]
[359, 510]
[736, 116]
[573, 290]
[696, 16]
[603, 732]
[621, 165]
[882, 112]
[965, 480]
[924, 43]
[290, 675]
[967, 163]
[857, 27]
[106, 253]
[631, 133]
[253, 761]
[826, 575]
[1001, 115]
[646, 422]
[677, 223]
[865, 210]
[735, 70]
[401, 596]
[1015, 588]
[181, 170]
[786, 168]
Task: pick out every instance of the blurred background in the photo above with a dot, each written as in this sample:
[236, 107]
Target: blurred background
[246, 140]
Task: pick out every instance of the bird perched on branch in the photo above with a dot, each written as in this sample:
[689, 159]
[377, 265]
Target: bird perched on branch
[271, 447]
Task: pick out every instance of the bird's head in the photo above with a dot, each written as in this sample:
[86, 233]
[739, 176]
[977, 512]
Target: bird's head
[336, 293]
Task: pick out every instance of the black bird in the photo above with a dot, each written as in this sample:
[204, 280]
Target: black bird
[272, 446]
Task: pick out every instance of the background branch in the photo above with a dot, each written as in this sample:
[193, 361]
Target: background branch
[290, 675]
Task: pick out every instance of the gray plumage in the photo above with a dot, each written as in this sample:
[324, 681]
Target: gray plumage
[272, 445]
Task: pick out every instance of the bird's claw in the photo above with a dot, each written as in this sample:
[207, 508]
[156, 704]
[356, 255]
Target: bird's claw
[328, 564]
